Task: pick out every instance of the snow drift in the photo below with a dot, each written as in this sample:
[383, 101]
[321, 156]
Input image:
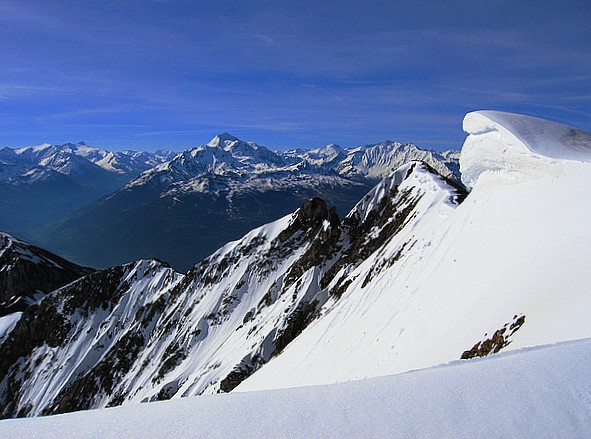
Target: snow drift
[517, 145]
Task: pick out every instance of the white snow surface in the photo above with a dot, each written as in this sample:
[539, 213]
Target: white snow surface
[7, 323]
[518, 146]
[515, 246]
[539, 392]
[227, 156]
[223, 316]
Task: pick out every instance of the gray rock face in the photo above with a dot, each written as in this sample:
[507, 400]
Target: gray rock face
[28, 272]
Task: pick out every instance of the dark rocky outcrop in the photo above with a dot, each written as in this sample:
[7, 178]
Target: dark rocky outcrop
[296, 323]
[49, 323]
[100, 380]
[499, 340]
[310, 217]
[388, 217]
[235, 377]
[310, 220]
[27, 272]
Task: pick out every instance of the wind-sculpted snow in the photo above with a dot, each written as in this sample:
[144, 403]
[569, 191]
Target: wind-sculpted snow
[519, 146]
[409, 279]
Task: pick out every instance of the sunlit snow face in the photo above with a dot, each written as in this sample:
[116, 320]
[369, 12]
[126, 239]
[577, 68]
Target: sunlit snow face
[516, 147]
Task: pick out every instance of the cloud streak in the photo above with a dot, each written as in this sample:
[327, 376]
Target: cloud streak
[287, 73]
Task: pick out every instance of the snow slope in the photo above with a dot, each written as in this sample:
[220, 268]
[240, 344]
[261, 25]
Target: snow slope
[141, 332]
[7, 323]
[517, 246]
[542, 392]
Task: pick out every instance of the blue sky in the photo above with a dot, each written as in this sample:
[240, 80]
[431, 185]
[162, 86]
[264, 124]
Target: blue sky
[151, 74]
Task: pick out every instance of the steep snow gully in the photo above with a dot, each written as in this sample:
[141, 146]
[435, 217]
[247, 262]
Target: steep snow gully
[410, 279]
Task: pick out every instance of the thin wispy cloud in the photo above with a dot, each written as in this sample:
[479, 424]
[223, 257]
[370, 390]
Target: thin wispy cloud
[12, 91]
[307, 72]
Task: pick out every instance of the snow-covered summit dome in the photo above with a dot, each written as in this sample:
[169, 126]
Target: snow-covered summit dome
[518, 145]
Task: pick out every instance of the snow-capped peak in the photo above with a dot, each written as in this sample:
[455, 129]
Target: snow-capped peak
[409, 279]
[241, 150]
[34, 149]
[222, 140]
[79, 159]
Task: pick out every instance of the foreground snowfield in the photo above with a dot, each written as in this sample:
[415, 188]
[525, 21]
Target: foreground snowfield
[534, 392]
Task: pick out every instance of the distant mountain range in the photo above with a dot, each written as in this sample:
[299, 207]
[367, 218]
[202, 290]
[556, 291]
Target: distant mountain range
[42, 184]
[247, 302]
[183, 207]
[420, 272]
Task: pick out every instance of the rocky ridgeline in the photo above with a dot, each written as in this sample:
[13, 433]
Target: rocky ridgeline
[28, 272]
[143, 332]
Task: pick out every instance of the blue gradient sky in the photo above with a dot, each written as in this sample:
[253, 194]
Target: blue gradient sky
[151, 74]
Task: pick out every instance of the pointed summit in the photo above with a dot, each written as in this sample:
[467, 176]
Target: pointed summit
[221, 139]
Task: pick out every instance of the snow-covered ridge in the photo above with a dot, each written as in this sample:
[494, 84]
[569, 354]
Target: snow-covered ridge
[72, 159]
[27, 273]
[24, 251]
[408, 280]
[460, 276]
[226, 155]
[206, 331]
[516, 146]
